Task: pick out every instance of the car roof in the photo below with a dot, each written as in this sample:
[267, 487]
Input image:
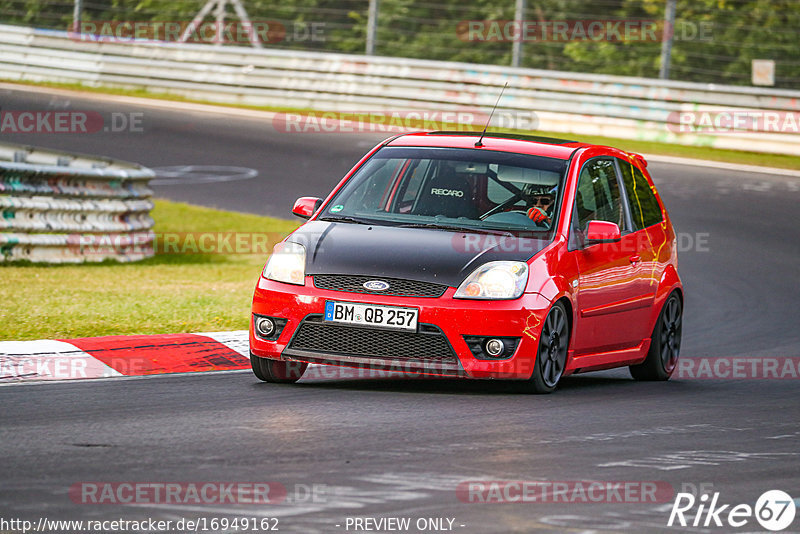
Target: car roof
[505, 142]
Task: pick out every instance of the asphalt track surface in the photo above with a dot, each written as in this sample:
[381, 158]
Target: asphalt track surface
[399, 448]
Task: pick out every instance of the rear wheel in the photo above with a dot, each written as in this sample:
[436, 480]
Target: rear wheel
[665, 344]
[277, 371]
[551, 357]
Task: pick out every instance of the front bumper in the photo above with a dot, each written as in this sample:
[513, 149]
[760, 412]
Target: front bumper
[437, 348]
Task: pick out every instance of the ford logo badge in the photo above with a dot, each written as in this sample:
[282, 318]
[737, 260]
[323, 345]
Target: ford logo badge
[376, 285]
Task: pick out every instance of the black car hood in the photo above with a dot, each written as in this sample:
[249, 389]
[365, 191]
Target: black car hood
[423, 254]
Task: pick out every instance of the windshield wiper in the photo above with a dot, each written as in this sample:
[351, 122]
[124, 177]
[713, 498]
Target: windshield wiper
[457, 228]
[440, 226]
[346, 219]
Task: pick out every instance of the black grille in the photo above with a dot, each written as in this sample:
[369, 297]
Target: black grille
[397, 287]
[427, 345]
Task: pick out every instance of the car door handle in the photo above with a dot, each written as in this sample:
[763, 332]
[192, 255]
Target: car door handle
[635, 259]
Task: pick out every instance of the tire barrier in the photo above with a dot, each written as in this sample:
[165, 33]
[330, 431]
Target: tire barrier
[65, 208]
[730, 117]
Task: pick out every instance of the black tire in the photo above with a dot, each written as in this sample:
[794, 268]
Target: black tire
[277, 371]
[665, 343]
[551, 356]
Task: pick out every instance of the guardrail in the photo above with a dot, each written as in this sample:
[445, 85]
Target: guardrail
[57, 207]
[578, 104]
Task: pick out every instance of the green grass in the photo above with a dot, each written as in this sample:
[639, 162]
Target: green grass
[168, 293]
[661, 147]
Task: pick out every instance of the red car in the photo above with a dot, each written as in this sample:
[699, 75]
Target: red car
[450, 254]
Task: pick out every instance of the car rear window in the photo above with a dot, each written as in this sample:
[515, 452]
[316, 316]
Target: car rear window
[645, 210]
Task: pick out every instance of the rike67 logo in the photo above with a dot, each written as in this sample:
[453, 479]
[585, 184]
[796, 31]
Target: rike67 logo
[774, 511]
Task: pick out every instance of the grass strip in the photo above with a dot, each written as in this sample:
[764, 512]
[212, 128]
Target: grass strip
[185, 290]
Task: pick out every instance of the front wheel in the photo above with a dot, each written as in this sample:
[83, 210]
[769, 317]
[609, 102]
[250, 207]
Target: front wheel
[277, 371]
[551, 357]
[665, 344]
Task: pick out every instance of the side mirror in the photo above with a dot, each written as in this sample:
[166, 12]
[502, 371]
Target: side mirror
[602, 232]
[306, 206]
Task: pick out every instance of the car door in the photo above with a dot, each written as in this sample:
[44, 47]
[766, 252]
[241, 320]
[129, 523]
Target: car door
[609, 314]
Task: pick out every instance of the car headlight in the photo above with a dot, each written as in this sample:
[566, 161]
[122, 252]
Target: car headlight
[287, 264]
[495, 280]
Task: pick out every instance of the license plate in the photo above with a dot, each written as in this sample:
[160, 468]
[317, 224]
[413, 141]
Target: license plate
[371, 315]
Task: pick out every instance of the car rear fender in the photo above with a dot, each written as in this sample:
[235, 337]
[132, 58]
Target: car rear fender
[670, 281]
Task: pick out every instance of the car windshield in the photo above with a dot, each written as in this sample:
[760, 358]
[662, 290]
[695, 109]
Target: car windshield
[453, 188]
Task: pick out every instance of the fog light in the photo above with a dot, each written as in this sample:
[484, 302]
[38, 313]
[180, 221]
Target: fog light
[494, 347]
[265, 326]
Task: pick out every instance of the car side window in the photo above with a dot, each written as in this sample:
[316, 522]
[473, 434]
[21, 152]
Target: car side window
[410, 184]
[368, 194]
[645, 210]
[598, 195]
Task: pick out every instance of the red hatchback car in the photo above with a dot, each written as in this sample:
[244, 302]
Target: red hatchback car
[506, 256]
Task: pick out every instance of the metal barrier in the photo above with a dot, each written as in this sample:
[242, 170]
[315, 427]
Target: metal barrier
[64, 208]
[578, 104]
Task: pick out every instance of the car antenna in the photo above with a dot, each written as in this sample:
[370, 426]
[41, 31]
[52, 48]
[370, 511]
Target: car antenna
[479, 144]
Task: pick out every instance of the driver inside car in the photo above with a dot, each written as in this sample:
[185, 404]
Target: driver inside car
[541, 199]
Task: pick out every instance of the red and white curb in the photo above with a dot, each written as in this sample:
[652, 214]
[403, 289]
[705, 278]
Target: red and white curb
[116, 356]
